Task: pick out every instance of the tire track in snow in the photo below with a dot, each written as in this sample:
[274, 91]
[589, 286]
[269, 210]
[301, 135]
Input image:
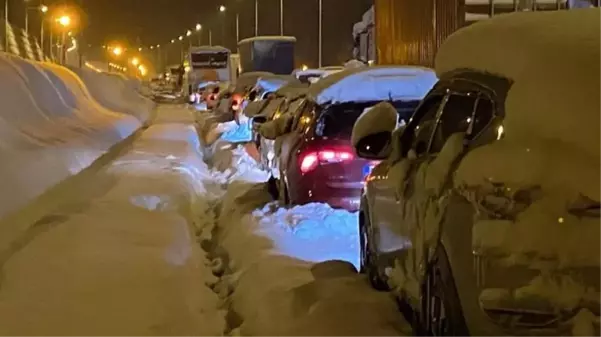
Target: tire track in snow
[218, 261]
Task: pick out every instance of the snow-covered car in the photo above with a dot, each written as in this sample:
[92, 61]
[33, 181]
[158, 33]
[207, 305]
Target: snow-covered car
[283, 102]
[316, 161]
[483, 215]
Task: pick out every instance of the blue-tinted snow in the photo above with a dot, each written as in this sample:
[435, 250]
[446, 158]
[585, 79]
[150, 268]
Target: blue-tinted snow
[313, 232]
[380, 83]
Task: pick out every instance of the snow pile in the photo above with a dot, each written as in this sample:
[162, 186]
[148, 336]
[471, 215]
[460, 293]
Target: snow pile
[117, 255]
[50, 129]
[277, 288]
[116, 93]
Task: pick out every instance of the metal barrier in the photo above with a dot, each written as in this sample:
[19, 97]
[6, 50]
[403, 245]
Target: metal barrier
[16, 41]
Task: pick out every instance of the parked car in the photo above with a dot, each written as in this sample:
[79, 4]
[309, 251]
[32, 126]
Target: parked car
[483, 215]
[283, 102]
[316, 162]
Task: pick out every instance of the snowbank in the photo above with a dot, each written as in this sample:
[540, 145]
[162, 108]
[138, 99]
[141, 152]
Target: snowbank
[50, 129]
[292, 271]
[116, 93]
[119, 257]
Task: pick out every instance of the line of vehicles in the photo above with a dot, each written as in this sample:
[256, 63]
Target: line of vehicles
[477, 200]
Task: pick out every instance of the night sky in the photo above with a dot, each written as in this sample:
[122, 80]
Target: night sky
[158, 21]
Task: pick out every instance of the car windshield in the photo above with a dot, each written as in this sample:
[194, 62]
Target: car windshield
[336, 121]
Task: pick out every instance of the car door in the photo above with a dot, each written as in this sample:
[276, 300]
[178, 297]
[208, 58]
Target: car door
[423, 201]
[384, 203]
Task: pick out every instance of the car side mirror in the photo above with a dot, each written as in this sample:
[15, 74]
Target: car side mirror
[259, 119]
[372, 132]
[374, 146]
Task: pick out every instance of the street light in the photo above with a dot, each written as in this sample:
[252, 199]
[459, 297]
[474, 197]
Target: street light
[180, 38]
[117, 51]
[172, 40]
[43, 8]
[135, 61]
[198, 27]
[222, 8]
[188, 33]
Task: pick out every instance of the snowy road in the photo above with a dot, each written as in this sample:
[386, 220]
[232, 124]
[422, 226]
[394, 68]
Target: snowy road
[114, 252]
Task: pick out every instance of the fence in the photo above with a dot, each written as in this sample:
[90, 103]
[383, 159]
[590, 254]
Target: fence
[15, 40]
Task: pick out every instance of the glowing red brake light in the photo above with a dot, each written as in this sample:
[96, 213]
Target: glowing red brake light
[310, 160]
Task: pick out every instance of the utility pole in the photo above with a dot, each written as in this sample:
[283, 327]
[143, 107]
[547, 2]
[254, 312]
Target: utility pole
[320, 32]
[281, 17]
[237, 27]
[256, 17]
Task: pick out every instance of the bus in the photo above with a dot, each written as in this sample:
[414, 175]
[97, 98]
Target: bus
[208, 64]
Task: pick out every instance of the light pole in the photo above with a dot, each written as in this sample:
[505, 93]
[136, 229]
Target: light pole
[237, 27]
[198, 29]
[188, 35]
[210, 37]
[181, 44]
[222, 9]
[256, 17]
[281, 17]
[44, 10]
[320, 32]
[64, 21]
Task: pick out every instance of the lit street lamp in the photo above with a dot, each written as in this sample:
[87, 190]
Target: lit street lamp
[222, 8]
[188, 33]
[199, 33]
[117, 51]
[135, 61]
[64, 21]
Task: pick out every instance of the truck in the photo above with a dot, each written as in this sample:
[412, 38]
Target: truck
[274, 54]
[411, 31]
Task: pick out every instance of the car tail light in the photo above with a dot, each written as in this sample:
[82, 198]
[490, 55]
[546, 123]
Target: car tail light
[310, 160]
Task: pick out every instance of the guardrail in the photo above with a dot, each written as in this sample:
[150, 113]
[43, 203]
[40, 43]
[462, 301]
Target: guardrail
[17, 41]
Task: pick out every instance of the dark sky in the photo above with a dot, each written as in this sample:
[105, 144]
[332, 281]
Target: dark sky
[158, 21]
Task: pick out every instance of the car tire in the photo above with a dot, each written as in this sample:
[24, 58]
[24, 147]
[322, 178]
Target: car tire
[369, 261]
[441, 312]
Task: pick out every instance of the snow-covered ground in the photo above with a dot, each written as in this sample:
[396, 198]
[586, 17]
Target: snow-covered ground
[117, 255]
[158, 243]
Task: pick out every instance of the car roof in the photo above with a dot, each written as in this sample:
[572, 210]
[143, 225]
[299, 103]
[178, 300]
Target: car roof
[553, 61]
[378, 83]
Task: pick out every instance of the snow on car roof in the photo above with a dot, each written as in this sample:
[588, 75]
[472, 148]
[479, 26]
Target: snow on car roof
[378, 83]
[268, 38]
[554, 66]
[274, 82]
[208, 49]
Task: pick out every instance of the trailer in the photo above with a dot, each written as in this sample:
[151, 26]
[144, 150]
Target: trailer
[410, 32]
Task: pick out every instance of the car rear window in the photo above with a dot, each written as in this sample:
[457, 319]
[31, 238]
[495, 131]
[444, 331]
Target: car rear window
[337, 121]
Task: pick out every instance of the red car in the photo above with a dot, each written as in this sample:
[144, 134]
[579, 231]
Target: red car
[315, 159]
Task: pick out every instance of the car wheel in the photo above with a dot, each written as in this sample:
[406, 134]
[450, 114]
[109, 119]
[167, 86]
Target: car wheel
[440, 305]
[368, 257]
